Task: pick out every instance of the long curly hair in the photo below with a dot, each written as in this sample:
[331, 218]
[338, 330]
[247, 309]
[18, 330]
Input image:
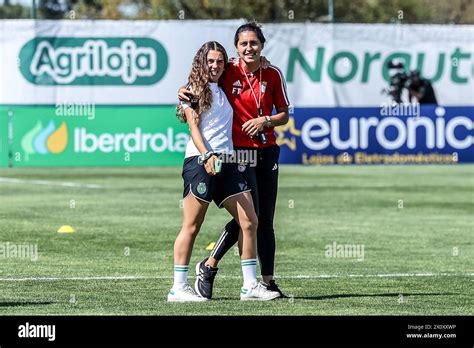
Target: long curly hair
[198, 80]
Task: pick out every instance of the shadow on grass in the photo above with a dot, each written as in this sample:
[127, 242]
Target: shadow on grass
[328, 297]
[24, 303]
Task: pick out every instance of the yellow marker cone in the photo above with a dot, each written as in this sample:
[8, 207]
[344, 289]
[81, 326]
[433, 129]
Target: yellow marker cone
[211, 246]
[66, 229]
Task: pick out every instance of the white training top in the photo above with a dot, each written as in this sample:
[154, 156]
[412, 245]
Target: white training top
[215, 125]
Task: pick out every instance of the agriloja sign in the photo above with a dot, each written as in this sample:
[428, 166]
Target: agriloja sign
[93, 61]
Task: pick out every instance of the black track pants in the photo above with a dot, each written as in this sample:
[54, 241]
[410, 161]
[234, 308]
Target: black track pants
[263, 180]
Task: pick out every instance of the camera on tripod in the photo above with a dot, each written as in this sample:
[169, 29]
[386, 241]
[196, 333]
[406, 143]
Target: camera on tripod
[398, 80]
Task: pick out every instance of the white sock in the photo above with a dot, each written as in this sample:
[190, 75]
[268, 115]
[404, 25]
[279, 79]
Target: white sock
[180, 275]
[249, 270]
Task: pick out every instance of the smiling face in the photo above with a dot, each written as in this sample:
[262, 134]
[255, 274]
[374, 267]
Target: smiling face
[249, 47]
[216, 64]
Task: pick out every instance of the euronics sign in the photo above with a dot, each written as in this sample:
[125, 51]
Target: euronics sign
[366, 136]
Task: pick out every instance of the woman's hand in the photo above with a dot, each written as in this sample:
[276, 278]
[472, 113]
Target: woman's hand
[234, 61]
[209, 165]
[184, 94]
[254, 126]
[264, 62]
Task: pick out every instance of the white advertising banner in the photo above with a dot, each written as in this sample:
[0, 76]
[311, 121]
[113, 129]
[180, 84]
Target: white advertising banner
[144, 62]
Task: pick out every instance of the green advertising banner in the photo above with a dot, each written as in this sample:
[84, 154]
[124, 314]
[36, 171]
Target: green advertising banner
[4, 136]
[90, 135]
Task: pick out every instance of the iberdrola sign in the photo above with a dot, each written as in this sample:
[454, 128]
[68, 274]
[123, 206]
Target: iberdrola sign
[93, 61]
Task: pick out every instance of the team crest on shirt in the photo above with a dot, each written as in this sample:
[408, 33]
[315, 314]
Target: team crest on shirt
[263, 86]
[236, 87]
[201, 188]
[241, 168]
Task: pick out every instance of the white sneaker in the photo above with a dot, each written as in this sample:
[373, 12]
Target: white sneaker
[184, 294]
[257, 292]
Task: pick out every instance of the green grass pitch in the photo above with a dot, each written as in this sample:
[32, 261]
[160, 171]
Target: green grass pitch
[414, 222]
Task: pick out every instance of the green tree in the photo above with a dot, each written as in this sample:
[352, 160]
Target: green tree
[285, 11]
[14, 11]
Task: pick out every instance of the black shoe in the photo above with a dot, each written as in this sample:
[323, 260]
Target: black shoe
[274, 287]
[204, 279]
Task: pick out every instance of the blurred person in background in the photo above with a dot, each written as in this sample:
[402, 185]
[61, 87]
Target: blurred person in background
[421, 89]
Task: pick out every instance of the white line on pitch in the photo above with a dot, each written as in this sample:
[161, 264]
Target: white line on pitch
[49, 183]
[388, 275]
[321, 276]
[26, 279]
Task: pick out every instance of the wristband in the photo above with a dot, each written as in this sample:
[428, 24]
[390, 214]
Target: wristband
[204, 157]
[269, 121]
